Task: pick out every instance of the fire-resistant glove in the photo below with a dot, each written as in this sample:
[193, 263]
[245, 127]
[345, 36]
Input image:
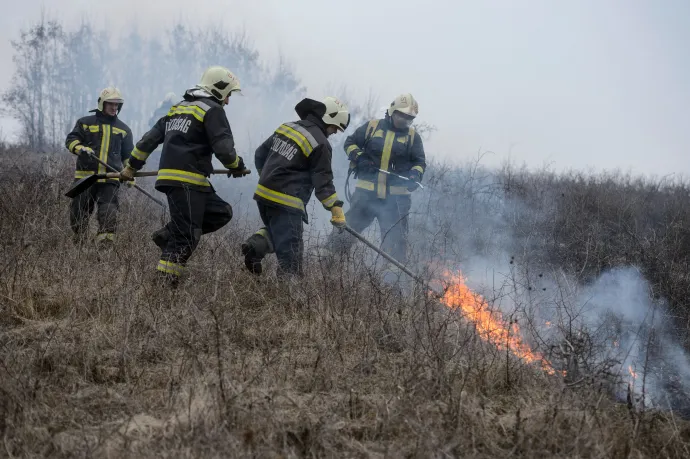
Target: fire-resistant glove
[83, 151]
[338, 217]
[365, 165]
[127, 174]
[415, 177]
[238, 169]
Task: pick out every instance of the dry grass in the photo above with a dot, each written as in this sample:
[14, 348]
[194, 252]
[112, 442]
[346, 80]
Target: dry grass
[98, 360]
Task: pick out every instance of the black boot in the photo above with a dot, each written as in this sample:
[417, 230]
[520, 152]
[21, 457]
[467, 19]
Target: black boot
[251, 261]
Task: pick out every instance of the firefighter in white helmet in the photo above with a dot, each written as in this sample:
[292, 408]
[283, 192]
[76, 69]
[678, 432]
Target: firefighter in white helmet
[104, 136]
[385, 145]
[192, 131]
[293, 163]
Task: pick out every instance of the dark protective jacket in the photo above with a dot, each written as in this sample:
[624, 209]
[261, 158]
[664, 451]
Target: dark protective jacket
[110, 139]
[191, 132]
[390, 149]
[295, 161]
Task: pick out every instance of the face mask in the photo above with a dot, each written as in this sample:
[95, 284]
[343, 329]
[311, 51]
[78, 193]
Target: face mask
[401, 122]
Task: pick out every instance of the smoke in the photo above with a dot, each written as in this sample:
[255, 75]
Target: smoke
[484, 223]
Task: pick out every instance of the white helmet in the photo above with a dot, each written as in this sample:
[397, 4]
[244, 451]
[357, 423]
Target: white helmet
[404, 103]
[219, 82]
[110, 94]
[337, 113]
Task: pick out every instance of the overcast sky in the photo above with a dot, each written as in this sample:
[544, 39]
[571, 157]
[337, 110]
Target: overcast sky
[585, 84]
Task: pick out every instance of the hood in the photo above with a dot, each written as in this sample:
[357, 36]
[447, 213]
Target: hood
[307, 107]
[312, 110]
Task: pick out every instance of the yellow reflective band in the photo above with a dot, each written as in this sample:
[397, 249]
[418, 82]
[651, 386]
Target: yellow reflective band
[105, 145]
[365, 185]
[117, 131]
[82, 174]
[140, 155]
[280, 198]
[296, 137]
[233, 164]
[90, 128]
[329, 201]
[169, 267]
[196, 112]
[411, 134]
[73, 144]
[418, 168]
[371, 127]
[351, 148]
[385, 161]
[183, 176]
[105, 237]
[399, 190]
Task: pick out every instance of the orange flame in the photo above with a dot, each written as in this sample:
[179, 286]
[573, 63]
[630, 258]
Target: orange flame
[492, 327]
[632, 372]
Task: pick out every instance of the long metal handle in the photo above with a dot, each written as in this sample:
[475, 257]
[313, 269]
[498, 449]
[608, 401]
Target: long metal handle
[392, 260]
[401, 177]
[157, 201]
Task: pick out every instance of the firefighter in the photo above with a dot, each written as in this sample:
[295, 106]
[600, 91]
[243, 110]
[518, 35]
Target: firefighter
[104, 136]
[294, 162]
[378, 146]
[191, 132]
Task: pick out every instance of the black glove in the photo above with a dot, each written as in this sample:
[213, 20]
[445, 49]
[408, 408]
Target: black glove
[415, 177]
[83, 151]
[365, 165]
[237, 170]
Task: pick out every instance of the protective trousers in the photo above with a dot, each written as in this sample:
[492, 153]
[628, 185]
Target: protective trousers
[192, 213]
[281, 235]
[103, 196]
[392, 215]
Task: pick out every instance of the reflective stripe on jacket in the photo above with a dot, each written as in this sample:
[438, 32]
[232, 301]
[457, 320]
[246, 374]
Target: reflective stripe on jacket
[191, 132]
[294, 162]
[392, 150]
[109, 138]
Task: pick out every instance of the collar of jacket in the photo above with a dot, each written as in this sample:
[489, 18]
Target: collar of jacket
[103, 117]
[197, 94]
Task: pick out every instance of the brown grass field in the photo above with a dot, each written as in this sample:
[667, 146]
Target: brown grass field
[98, 360]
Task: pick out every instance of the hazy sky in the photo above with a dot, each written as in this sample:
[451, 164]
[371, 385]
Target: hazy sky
[576, 84]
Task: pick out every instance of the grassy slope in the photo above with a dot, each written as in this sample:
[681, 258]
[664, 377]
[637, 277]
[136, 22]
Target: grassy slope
[96, 359]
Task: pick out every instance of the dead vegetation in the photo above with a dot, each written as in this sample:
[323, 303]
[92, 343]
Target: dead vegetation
[96, 360]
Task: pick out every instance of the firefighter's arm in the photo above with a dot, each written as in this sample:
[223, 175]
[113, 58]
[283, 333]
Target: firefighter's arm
[220, 137]
[354, 143]
[76, 138]
[417, 156]
[322, 177]
[261, 154]
[146, 145]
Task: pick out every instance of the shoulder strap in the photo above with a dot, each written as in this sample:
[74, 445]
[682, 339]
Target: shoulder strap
[371, 127]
